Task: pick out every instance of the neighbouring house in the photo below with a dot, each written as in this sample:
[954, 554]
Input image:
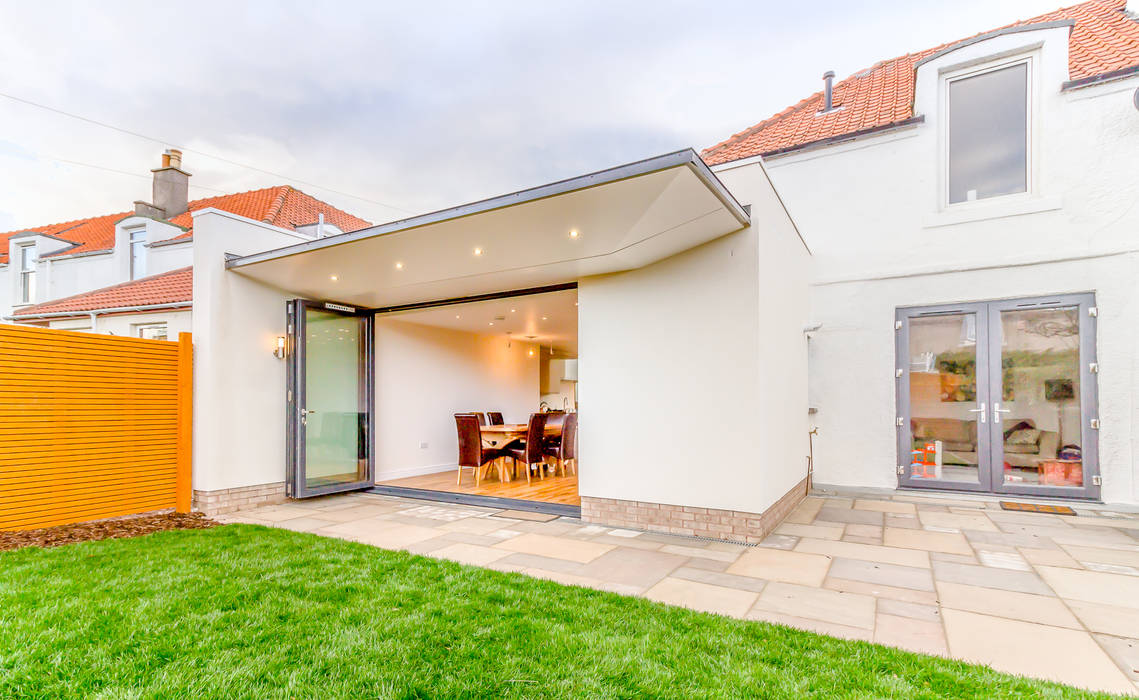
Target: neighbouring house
[131, 273]
[972, 210]
[932, 262]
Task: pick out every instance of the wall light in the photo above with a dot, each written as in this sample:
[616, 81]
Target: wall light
[279, 351]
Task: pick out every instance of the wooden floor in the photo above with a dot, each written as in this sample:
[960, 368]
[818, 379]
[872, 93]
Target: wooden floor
[552, 489]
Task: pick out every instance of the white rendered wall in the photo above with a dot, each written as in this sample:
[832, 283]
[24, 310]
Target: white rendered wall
[692, 373]
[871, 212]
[239, 386]
[125, 324]
[425, 374]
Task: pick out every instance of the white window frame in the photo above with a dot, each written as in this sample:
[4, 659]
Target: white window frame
[27, 273]
[139, 328]
[950, 77]
[131, 233]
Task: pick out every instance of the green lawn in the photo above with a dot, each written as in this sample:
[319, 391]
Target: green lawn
[246, 611]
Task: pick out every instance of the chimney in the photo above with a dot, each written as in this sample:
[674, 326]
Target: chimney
[828, 91]
[171, 189]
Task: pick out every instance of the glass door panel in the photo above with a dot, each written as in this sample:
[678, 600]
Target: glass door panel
[331, 385]
[1042, 394]
[943, 437]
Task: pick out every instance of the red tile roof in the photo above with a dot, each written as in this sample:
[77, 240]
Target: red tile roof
[165, 288]
[282, 206]
[1103, 39]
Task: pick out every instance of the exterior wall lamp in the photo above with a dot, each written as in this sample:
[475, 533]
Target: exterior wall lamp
[279, 352]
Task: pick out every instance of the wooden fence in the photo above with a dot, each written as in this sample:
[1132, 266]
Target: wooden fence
[92, 426]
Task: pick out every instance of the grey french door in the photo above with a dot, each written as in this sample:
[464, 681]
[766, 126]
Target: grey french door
[999, 397]
[329, 398]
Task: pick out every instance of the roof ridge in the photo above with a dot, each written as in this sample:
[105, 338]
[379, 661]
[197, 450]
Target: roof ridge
[70, 224]
[278, 204]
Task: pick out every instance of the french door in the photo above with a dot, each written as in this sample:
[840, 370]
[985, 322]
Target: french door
[999, 397]
[329, 399]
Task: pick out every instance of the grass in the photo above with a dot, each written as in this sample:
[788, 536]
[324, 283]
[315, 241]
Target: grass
[246, 611]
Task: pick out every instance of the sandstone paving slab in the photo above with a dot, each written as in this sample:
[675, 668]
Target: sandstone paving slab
[1048, 557]
[848, 515]
[1026, 648]
[779, 542]
[1046, 610]
[881, 592]
[817, 626]
[885, 506]
[702, 552]
[917, 578]
[917, 611]
[948, 543]
[1106, 619]
[632, 567]
[988, 577]
[849, 609]
[718, 578]
[1125, 653]
[556, 547]
[780, 565]
[702, 596]
[867, 552]
[1101, 555]
[1093, 586]
[822, 532]
[923, 636]
[958, 521]
[473, 554]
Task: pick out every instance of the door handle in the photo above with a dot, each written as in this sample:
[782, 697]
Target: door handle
[980, 410]
[304, 415]
[997, 411]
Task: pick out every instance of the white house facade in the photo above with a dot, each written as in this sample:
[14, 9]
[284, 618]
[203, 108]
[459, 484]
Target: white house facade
[1006, 201]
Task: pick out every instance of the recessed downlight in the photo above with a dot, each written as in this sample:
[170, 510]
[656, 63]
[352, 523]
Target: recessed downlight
[574, 233]
[545, 318]
[333, 277]
[399, 266]
[478, 251]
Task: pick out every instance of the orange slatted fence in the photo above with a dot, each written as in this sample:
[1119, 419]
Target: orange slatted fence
[92, 426]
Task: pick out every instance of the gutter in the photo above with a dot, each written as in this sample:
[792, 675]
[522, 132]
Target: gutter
[102, 312]
[1101, 78]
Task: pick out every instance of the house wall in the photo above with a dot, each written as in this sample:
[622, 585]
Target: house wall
[125, 324]
[692, 374]
[239, 386]
[64, 275]
[425, 374]
[872, 213]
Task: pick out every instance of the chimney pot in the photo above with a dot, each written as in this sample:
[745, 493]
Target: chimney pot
[170, 191]
[172, 158]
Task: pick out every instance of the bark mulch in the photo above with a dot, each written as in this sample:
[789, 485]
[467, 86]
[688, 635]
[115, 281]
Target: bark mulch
[104, 530]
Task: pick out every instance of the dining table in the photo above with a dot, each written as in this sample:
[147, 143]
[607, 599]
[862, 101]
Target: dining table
[497, 437]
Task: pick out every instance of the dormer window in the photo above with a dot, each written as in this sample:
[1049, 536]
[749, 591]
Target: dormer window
[987, 134]
[138, 253]
[26, 257]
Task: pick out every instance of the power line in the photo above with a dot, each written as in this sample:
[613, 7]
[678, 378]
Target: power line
[167, 142]
[120, 172]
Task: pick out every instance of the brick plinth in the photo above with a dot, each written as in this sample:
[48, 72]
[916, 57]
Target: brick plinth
[732, 525]
[223, 501]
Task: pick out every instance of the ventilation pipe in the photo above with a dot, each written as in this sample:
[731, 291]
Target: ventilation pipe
[828, 91]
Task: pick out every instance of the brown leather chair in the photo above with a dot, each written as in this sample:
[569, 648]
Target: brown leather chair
[494, 418]
[531, 452]
[564, 447]
[472, 454]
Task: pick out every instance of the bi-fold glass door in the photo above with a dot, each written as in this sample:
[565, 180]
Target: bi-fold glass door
[329, 398]
[999, 396]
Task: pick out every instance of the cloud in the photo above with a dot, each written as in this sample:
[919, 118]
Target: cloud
[422, 105]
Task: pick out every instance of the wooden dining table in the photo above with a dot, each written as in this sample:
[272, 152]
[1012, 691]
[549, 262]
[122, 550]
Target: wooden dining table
[499, 436]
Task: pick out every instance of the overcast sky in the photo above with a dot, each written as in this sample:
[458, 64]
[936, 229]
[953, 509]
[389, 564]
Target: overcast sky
[416, 105]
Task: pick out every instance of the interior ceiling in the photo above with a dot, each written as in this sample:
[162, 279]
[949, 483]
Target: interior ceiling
[519, 241]
[548, 319]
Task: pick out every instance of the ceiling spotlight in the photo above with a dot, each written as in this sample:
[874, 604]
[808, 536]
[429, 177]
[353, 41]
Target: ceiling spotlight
[531, 353]
[456, 315]
[574, 233]
[545, 318]
[513, 310]
[399, 266]
[333, 278]
[478, 251]
[492, 323]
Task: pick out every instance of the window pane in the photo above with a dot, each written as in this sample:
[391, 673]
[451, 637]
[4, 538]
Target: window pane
[988, 134]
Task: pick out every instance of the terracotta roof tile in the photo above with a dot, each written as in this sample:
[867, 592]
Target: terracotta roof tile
[165, 288]
[1103, 39]
[282, 206]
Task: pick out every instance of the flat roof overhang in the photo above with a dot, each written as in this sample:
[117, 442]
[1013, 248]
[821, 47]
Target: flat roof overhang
[626, 217]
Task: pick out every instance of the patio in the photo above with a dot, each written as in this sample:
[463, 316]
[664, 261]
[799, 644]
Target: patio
[1040, 595]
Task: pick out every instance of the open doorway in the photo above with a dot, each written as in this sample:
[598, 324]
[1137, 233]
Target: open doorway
[502, 360]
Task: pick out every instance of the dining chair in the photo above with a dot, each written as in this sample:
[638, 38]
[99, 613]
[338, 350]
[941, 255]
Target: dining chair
[494, 418]
[564, 447]
[530, 452]
[472, 454]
